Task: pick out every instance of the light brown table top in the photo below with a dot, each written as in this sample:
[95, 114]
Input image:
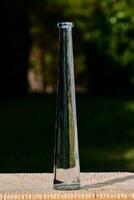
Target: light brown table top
[93, 186]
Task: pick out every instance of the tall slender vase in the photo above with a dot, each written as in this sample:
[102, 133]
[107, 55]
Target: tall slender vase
[66, 157]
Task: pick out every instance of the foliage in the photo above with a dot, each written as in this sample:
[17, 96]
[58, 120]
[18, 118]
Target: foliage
[103, 27]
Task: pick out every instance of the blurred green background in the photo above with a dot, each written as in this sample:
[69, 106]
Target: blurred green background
[103, 39]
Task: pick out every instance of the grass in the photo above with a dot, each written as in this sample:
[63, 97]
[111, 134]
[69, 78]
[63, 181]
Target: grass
[106, 134]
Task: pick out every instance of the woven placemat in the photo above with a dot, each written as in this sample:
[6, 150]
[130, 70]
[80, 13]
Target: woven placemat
[93, 186]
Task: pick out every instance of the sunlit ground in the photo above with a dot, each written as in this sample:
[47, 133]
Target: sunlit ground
[106, 134]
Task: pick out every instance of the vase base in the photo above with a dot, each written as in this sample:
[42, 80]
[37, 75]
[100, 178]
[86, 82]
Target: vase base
[64, 186]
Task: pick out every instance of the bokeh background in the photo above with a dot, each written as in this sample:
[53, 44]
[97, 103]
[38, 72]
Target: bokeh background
[103, 39]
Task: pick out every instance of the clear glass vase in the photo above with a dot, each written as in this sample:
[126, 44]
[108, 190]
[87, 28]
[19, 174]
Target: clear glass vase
[66, 156]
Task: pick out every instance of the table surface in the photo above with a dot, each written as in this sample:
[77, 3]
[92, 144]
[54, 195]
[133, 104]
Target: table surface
[38, 186]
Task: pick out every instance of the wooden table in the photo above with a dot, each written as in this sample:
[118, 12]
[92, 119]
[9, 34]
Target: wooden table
[107, 186]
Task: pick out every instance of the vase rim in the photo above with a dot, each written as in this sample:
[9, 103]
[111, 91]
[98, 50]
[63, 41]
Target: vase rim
[65, 24]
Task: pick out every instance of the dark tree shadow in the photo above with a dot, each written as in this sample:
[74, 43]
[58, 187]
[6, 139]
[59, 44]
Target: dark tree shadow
[15, 42]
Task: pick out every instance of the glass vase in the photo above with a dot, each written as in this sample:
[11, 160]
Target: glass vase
[66, 154]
